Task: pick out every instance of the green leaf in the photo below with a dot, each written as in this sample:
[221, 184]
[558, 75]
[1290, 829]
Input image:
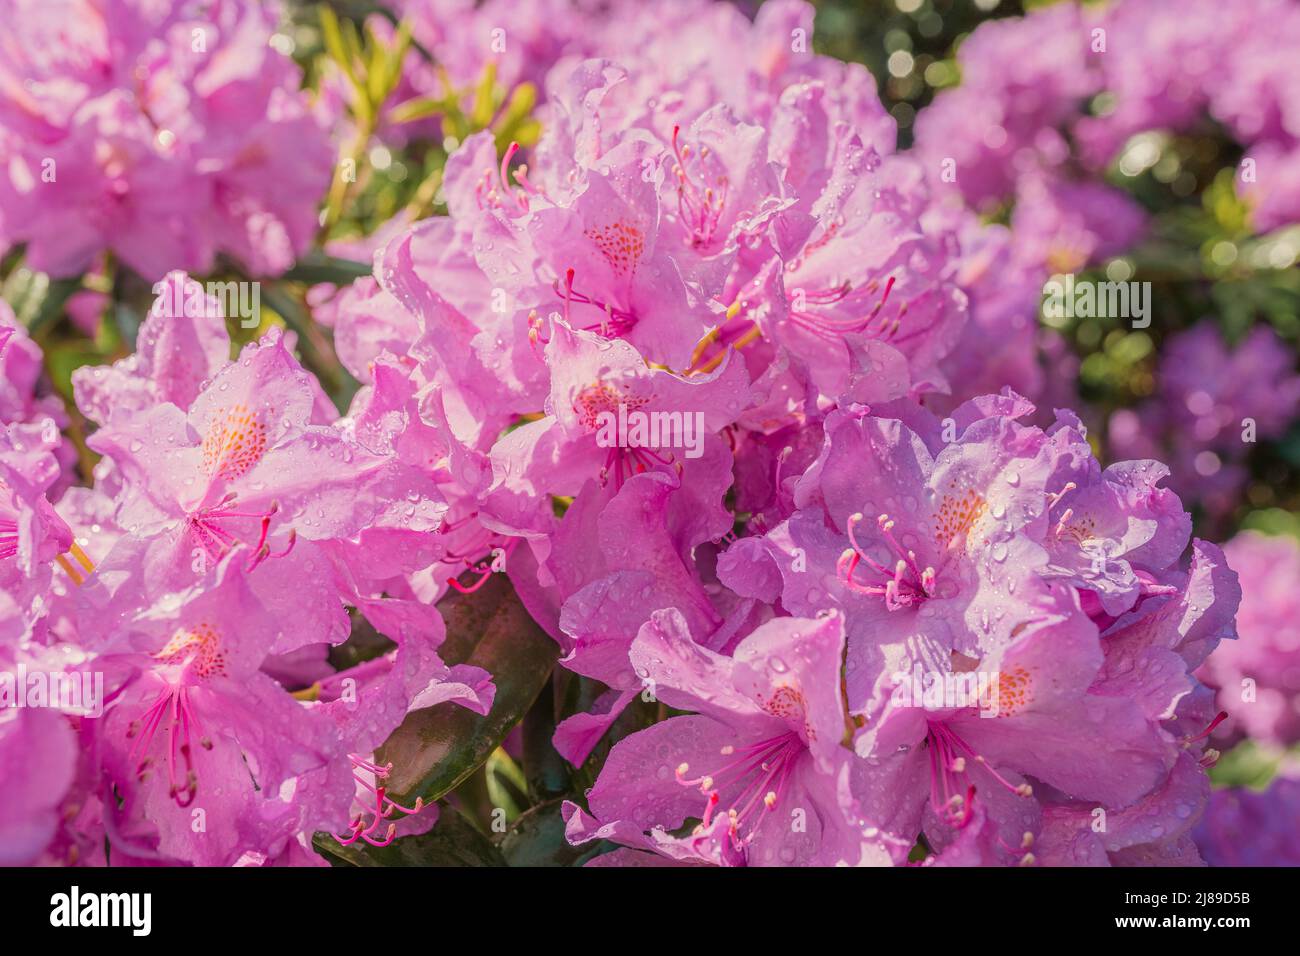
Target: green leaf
[333, 37]
[316, 267]
[376, 69]
[547, 773]
[1222, 202]
[1246, 765]
[352, 45]
[37, 300]
[485, 98]
[537, 839]
[435, 749]
[514, 120]
[396, 56]
[1273, 520]
[64, 358]
[417, 108]
[453, 841]
[505, 784]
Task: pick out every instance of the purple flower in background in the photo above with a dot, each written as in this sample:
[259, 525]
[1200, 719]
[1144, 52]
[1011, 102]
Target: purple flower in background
[1214, 402]
[1159, 67]
[1258, 675]
[1065, 226]
[1246, 828]
[1022, 81]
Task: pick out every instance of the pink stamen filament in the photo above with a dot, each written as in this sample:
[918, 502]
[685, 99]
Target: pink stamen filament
[615, 322]
[8, 538]
[700, 208]
[495, 183]
[948, 753]
[172, 704]
[760, 770]
[483, 568]
[449, 526]
[904, 585]
[1219, 718]
[217, 541]
[623, 463]
[829, 328]
[1054, 499]
[1021, 851]
[383, 808]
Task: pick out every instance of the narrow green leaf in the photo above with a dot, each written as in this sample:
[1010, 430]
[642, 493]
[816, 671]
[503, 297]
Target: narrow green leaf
[418, 108]
[485, 98]
[396, 57]
[546, 771]
[333, 37]
[318, 267]
[45, 306]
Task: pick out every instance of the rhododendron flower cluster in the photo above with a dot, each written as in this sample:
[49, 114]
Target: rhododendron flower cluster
[161, 133]
[697, 477]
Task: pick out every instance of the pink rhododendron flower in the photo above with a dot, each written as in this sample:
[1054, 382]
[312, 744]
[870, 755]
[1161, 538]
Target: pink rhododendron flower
[766, 742]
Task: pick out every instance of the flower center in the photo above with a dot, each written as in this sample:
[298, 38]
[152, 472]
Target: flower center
[205, 528]
[614, 322]
[951, 789]
[752, 779]
[622, 243]
[700, 198]
[198, 652]
[376, 806]
[601, 398]
[956, 517]
[618, 420]
[494, 186]
[904, 585]
[190, 658]
[234, 443]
